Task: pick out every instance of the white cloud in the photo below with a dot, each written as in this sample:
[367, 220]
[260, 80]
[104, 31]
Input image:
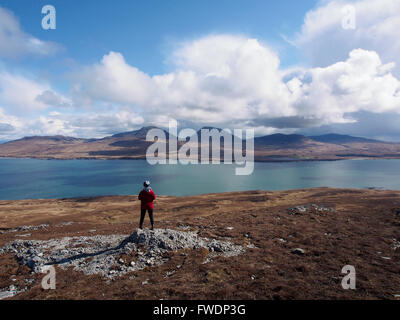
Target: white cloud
[8, 124]
[87, 125]
[361, 83]
[14, 42]
[53, 99]
[216, 77]
[377, 25]
[19, 94]
[116, 80]
[224, 79]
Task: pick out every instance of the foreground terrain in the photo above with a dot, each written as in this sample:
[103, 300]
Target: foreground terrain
[242, 245]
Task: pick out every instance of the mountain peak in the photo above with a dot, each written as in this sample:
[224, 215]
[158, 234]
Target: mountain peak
[56, 138]
[140, 133]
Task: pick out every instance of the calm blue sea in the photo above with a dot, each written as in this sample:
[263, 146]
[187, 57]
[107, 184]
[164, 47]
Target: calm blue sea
[31, 178]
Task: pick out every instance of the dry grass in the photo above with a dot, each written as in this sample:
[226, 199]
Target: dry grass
[360, 233]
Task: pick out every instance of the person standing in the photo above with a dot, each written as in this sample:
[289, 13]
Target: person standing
[146, 196]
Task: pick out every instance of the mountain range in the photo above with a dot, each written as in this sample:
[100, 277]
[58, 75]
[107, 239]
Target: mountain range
[133, 145]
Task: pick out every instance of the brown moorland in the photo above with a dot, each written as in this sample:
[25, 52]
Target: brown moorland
[362, 231]
[133, 145]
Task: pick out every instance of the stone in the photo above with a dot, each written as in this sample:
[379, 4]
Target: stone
[298, 251]
[98, 254]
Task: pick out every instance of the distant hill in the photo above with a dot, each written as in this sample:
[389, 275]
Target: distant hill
[198, 132]
[57, 138]
[133, 145]
[341, 138]
[141, 133]
[282, 140]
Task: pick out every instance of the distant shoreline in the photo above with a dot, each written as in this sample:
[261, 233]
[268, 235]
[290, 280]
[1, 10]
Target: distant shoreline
[106, 197]
[221, 161]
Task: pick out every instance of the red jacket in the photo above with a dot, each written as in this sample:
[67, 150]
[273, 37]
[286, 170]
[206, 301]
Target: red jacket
[147, 198]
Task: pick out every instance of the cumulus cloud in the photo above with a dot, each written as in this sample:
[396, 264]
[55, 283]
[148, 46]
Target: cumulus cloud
[87, 125]
[244, 81]
[361, 83]
[225, 79]
[19, 94]
[293, 122]
[6, 127]
[380, 126]
[100, 125]
[8, 124]
[84, 125]
[53, 99]
[221, 79]
[377, 23]
[14, 42]
[112, 80]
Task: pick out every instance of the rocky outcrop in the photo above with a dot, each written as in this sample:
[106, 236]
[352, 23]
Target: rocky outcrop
[100, 254]
[309, 208]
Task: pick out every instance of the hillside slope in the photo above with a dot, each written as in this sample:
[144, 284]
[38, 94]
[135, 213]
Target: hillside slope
[332, 227]
[133, 145]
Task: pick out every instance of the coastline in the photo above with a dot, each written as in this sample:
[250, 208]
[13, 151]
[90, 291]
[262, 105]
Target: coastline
[103, 197]
[372, 157]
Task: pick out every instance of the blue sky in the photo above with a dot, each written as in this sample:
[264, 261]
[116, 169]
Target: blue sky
[144, 31]
[276, 66]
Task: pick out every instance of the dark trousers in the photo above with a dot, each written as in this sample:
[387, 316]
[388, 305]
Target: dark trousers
[143, 213]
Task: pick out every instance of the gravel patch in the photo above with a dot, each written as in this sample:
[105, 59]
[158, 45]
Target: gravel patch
[28, 228]
[309, 208]
[64, 224]
[100, 254]
[11, 291]
[396, 244]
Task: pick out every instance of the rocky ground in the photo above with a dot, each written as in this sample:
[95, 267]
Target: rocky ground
[243, 245]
